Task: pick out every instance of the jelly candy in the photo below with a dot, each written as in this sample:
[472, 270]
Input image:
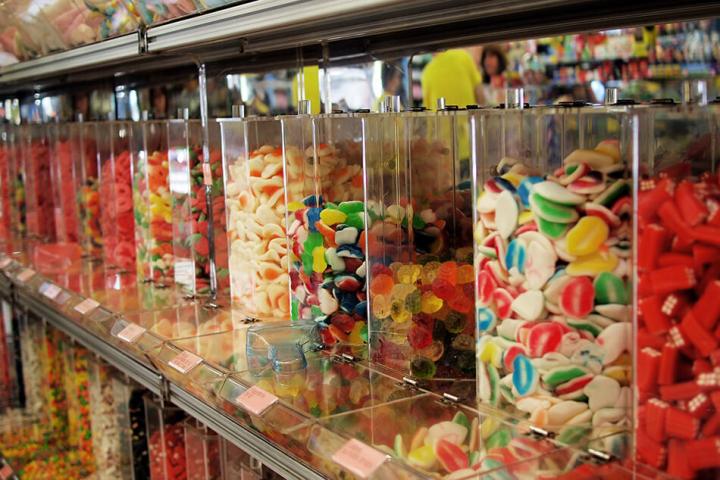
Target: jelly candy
[419, 337]
[451, 456]
[413, 302]
[609, 288]
[381, 306]
[381, 284]
[587, 236]
[422, 367]
[430, 303]
[577, 297]
[525, 377]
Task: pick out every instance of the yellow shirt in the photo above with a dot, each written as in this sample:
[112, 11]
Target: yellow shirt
[451, 74]
[312, 88]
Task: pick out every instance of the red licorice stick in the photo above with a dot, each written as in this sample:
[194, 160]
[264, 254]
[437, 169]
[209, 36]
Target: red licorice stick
[701, 366]
[698, 335]
[704, 453]
[655, 411]
[646, 339]
[678, 465]
[704, 254]
[649, 450]
[707, 234]
[712, 425]
[667, 369]
[653, 196]
[672, 279]
[707, 308]
[693, 210]
[654, 240]
[679, 391]
[674, 305]
[648, 365]
[669, 259]
[671, 218]
[651, 310]
[699, 406]
[679, 424]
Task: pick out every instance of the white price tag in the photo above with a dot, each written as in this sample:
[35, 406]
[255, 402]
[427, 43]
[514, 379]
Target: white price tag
[26, 275]
[185, 361]
[256, 400]
[131, 333]
[86, 306]
[51, 290]
[358, 458]
[6, 472]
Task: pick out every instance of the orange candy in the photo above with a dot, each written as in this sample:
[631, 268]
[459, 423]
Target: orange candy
[381, 284]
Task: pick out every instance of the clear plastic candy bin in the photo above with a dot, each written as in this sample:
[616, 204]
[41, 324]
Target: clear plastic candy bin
[65, 182]
[553, 247]
[419, 244]
[166, 441]
[35, 150]
[255, 204]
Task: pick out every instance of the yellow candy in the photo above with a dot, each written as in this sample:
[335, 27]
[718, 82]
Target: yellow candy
[429, 303]
[621, 373]
[513, 178]
[319, 263]
[587, 236]
[592, 265]
[398, 312]
[355, 337]
[381, 306]
[401, 290]
[525, 216]
[408, 274]
[490, 353]
[423, 457]
[293, 206]
[332, 217]
[429, 272]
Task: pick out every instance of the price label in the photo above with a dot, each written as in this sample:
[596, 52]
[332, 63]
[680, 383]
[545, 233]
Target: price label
[25, 275]
[50, 291]
[86, 306]
[5, 262]
[256, 400]
[6, 472]
[131, 333]
[207, 174]
[185, 361]
[358, 458]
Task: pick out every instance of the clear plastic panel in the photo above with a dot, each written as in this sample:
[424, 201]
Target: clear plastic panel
[256, 208]
[65, 182]
[202, 450]
[6, 185]
[190, 224]
[678, 287]
[87, 167]
[39, 200]
[420, 245]
[324, 157]
[433, 438]
[153, 203]
[166, 441]
[117, 221]
[553, 244]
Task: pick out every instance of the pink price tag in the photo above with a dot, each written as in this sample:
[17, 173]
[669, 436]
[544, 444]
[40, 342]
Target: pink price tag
[6, 472]
[256, 400]
[51, 291]
[5, 262]
[207, 174]
[25, 275]
[131, 333]
[185, 361]
[358, 458]
[86, 306]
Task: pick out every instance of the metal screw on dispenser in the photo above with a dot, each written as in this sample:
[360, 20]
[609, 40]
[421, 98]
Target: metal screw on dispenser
[612, 94]
[145, 115]
[183, 113]
[441, 103]
[694, 92]
[304, 107]
[238, 111]
[515, 98]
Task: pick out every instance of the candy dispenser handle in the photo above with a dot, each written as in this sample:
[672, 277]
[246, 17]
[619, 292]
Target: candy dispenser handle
[612, 94]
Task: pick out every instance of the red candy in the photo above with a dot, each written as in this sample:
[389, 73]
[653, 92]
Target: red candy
[577, 297]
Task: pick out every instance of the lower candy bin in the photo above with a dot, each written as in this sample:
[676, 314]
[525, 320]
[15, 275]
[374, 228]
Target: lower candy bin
[202, 450]
[166, 441]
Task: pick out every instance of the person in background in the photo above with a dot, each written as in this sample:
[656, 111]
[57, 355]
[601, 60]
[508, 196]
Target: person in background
[391, 77]
[493, 64]
[452, 74]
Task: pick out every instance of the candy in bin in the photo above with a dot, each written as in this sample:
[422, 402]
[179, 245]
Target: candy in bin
[6, 190]
[255, 206]
[419, 244]
[553, 244]
[117, 221]
[191, 236]
[16, 174]
[166, 441]
[324, 157]
[64, 151]
[678, 287]
[87, 169]
[202, 450]
[35, 150]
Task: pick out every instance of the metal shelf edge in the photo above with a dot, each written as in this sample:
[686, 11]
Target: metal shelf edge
[244, 438]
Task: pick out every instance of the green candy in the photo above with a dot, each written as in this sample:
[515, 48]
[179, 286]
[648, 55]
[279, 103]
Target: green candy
[585, 325]
[559, 375]
[613, 193]
[421, 367]
[352, 206]
[356, 219]
[461, 419]
[610, 289]
[494, 385]
[551, 229]
[501, 438]
[551, 211]
[399, 447]
[573, 434]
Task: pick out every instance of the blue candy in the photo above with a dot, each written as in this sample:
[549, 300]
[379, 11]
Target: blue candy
[349, 251]
[515, 256]
[313, 216]
[313, 201]
[525, 189]
[486, 319]
[525, 376]
[505, 184]
[361, 309]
